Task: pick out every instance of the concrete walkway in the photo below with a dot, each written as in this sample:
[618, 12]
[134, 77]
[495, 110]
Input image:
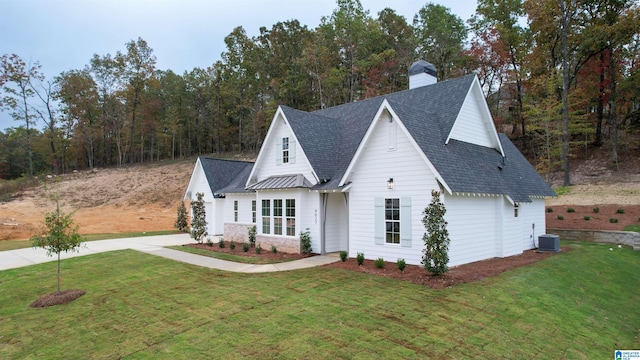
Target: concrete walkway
[155, 245]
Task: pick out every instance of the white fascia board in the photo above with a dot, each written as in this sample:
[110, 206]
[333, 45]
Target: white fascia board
[386, 106]
[267, 140]
[196, 167]
[485, 114]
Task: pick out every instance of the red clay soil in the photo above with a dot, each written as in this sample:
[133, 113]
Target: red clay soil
[475, 271]
[597, 221]
[52, 299]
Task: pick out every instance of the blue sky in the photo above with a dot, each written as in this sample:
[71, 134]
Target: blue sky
[184, 34]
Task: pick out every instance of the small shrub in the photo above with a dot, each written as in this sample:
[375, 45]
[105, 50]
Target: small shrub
[401, 264]
[305, 240]
[273, 249]
[221, 243]
[245, 247]
[209, 242]
[549, 209]
[252, 236]
[620, 211]
[560, 217]
[596, 210]
[379, 263]
[343, 255]
[232, 245]
[613, 220]
[360, 258]
[587, 217]
[258, 249]
[571, 210]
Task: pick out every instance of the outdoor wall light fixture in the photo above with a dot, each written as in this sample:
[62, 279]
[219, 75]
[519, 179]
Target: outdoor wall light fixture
[390, 184]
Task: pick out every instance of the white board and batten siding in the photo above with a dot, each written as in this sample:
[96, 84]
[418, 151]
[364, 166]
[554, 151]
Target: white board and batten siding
[336, 223]
[388, 156]
[244, 208]
[472, 227]
[270, 162]
[199, 184]
[474, 124]
[533, 222]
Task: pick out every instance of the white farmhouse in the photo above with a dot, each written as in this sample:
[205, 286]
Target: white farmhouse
[358, 176]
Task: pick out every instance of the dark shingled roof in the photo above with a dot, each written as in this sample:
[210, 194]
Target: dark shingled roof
[330, 139]
[226, 176]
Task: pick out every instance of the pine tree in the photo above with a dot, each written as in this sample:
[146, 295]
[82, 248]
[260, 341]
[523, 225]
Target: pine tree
[181, 222]
[436, 238]
[199, 221]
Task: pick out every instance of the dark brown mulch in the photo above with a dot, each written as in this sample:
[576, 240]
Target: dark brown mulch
[52, 299]
[264, 254]
[471, 272]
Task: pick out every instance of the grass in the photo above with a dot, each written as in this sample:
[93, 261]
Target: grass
[26, 243]
[580, 304]
[562, 190]
[229, 257]
[634, 227]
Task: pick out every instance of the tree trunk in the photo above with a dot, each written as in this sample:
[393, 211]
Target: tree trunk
[600, 108]
[565, 91]
[613, 116]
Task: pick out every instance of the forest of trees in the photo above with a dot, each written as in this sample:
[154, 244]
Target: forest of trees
[561, 77]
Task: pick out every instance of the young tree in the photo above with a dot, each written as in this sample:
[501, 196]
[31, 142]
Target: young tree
[436, 238]
[199, 220]
[181, 222]
[61, 235]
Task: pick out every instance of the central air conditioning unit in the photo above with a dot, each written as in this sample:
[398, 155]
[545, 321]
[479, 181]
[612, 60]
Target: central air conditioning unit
[549, 242]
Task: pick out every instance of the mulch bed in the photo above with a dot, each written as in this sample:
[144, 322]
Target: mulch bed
[471, 272]
[264, 254]
[466, 273]
[597, 221]
[52, 299]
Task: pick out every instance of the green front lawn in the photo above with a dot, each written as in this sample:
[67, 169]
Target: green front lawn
[25, 243]
[580, 304]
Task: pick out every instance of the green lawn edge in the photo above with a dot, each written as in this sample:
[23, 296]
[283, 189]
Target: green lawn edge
[26, 243]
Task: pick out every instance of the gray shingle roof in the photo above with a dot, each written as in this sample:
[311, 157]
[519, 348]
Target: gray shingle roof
[330, 138]
[226, 176]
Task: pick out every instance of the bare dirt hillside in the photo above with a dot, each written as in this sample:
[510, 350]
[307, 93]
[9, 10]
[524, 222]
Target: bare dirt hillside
[145, 198]
[138, 198]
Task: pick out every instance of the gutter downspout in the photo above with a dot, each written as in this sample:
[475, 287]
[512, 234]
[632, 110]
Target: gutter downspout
[323, 223]
[346, 205]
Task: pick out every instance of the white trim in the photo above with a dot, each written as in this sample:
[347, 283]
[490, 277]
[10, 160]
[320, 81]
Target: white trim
[264, 148]
[363, 145]
[193, 173]
[485, 115]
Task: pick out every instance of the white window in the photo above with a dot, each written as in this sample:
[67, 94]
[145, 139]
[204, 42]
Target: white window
[291, 217]
[266, 216]
[393, 221]
[235, 210]
[277, 216]
[285, 150]
[253, 211]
